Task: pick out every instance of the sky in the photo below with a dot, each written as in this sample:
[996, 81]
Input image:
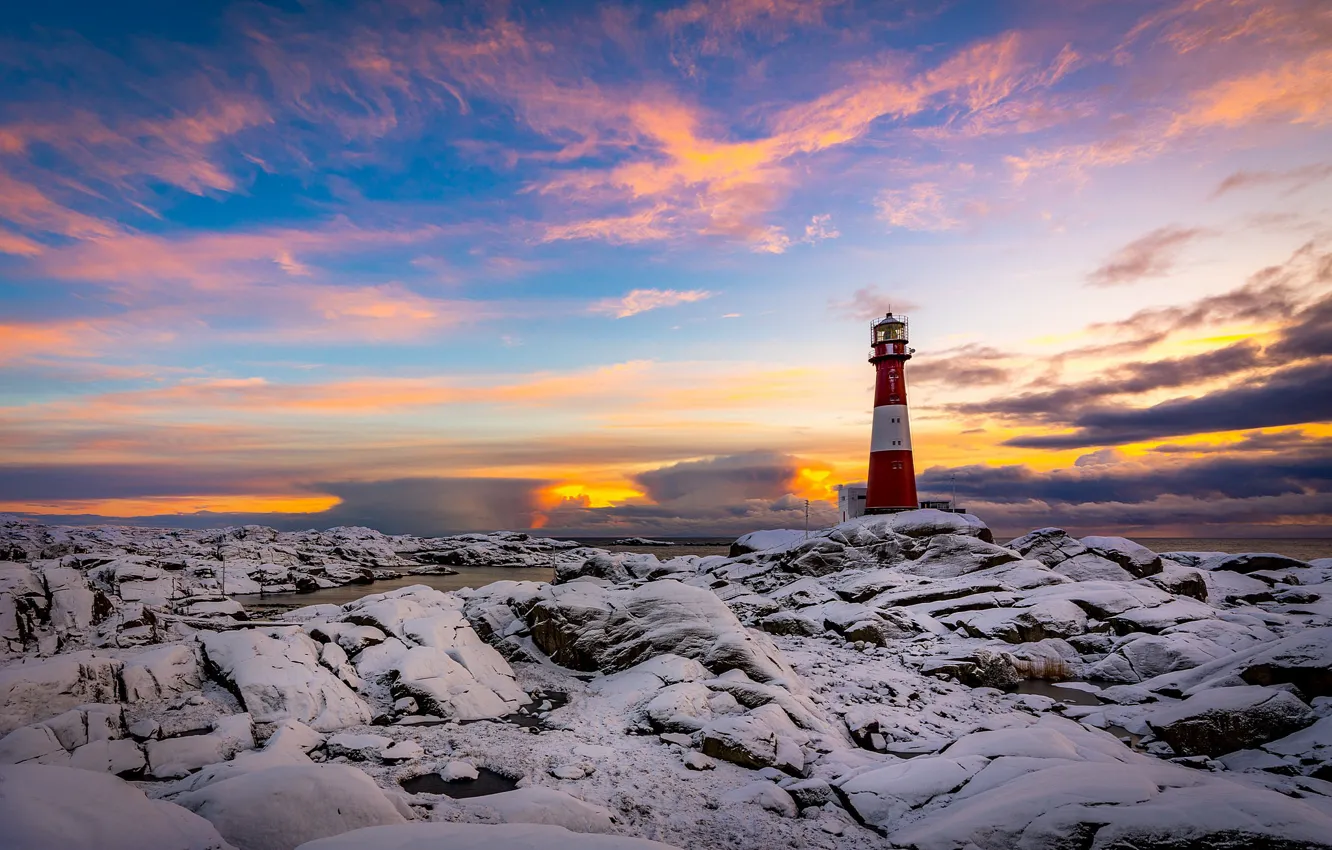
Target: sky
[607, 269]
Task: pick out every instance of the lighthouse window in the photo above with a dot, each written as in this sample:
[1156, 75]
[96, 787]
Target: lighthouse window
[897, 464]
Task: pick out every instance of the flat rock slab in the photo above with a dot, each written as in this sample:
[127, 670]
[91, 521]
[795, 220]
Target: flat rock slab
[1222, 720]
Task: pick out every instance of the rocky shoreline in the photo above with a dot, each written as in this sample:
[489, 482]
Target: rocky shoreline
[853, 689]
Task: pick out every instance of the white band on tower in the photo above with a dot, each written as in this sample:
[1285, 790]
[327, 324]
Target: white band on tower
[892, 431]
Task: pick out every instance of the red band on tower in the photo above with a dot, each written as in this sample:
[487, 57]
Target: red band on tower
[892, 473]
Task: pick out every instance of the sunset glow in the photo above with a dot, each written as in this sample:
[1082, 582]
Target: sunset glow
[607, 269]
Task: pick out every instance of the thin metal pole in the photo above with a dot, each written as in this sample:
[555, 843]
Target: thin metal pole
[807, 519]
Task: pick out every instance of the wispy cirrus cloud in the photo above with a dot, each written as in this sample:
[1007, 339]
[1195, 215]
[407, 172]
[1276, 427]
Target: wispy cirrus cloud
[1151, 255]
[920, 207]
[642, 300]
[1293, 179]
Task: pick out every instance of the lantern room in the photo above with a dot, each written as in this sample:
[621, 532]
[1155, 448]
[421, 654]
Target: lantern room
[889, 329]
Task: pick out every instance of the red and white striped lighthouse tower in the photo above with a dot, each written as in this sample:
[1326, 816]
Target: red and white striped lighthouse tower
[892, 476]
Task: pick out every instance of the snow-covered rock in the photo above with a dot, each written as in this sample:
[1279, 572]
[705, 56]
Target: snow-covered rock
[1133, 557]
[467, 836]
[279, 677]
[174, 757]
[762, 541]
[36, 690]
[283, 807]
[589, 627]
[1222, 720]
[44, 807]
[551, 806]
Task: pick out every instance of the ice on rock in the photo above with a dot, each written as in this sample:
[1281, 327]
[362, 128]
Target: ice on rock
[1222, 720]
[280, 678]
[466, 836]
[283, 807]
[549, 806]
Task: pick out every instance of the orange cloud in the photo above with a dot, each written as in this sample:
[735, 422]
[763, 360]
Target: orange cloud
[162, 505]
[1298, 92]
[686, 177]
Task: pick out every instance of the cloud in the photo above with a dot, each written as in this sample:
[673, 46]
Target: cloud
[1310, 335]
[642, 300]
[723, 480]
[1283, 492]
[1152, 255]
[1292, 396]
[1297, 92]
[1293, 179]
[919, 207]
[1129, 379]
[1257, 441]
[869, 302]
[968, 366]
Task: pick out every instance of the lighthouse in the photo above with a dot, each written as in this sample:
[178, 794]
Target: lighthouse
[892, 475]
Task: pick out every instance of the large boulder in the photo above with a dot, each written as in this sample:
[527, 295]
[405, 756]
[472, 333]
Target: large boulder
[587, 626]
[1050, 546]
[1148, 656]
[1058, 785]
[1223, 720]
[1303, 659]
[949, 555]
[173, 757]
[43, 807]
[1048, 618]
[762, 541]
[286, 806]
[1133, 557]
[763, 737]
[443, 687]
[1251, 563]
[545, 806]
[36, 690]
[279, 677]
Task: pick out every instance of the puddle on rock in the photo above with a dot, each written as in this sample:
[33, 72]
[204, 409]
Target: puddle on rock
[543, 702]
[487, 782]
[1053, 690]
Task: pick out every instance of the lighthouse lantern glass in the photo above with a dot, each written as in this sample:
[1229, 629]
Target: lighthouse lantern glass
[889, 329]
